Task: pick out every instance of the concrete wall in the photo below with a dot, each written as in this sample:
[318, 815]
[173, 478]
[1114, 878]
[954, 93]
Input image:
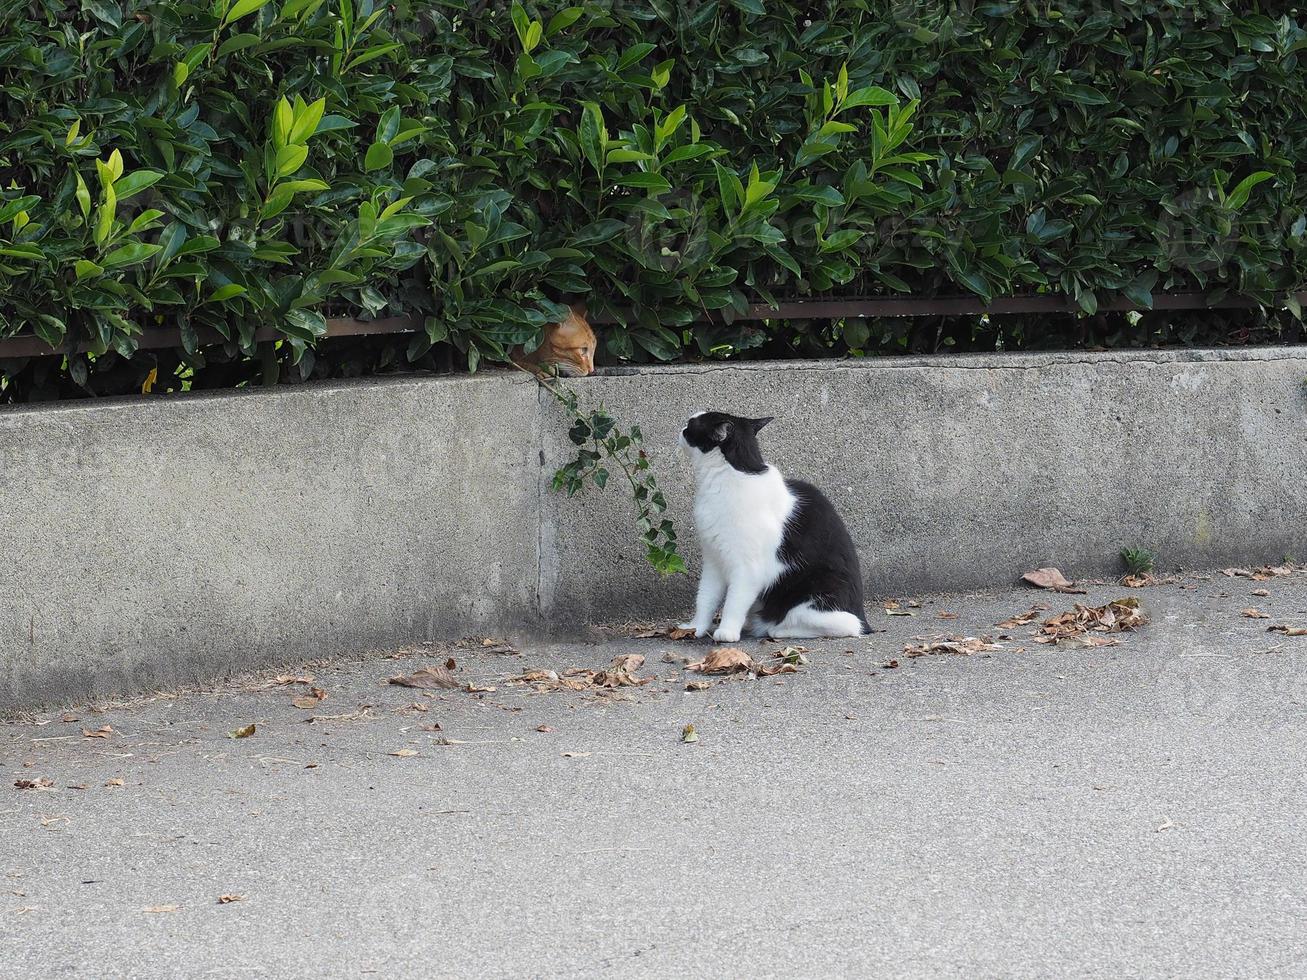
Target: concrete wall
[158, 541]
[150, 542]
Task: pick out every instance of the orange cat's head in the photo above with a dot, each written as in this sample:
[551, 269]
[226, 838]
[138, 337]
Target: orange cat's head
[569, 345]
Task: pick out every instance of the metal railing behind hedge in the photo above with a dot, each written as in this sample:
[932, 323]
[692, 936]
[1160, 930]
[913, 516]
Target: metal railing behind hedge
[153, 338]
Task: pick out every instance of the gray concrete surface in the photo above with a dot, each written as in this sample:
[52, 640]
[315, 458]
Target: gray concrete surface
[963, 472]
[152, 542]
[1130, 811]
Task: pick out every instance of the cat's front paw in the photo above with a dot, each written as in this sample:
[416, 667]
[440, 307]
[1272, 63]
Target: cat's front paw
[724, 635]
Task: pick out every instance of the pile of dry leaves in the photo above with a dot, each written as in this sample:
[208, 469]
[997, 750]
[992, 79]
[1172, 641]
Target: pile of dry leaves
[1263, 574]
[733, 660]
[1074, 628]
[958, 646]
[620, 673]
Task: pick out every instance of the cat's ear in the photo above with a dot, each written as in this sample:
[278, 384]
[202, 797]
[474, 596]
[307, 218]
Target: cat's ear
[722, 432]
[578, 307]
[759, 423]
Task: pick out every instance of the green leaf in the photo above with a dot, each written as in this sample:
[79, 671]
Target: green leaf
[870, 95]
[1239, 196]
[333, 124]
[226, 292]
[82, 194]
[11, 209]
[135, 182]
[304, 324]
[132, 254]
[237, 42]
[562, 20]
[241, 8]
[307, 121]
[388, 125]
[290, 159]
[379, 156]
[105, 215]
[593, 136]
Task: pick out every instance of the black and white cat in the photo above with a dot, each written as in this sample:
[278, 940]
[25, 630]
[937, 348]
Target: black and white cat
[774, 549]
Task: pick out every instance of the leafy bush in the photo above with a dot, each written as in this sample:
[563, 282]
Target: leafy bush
[256, 164]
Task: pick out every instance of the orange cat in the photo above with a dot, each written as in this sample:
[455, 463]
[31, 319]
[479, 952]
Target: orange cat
[568, 347]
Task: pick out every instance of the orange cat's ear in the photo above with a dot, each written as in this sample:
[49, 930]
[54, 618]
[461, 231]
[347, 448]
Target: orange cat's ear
[578, 308]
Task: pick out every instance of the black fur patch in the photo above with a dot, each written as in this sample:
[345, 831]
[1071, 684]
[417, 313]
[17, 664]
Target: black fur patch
[735, 436]
[821, 563]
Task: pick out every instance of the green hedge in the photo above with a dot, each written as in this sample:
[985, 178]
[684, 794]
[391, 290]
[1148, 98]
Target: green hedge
[262, 163]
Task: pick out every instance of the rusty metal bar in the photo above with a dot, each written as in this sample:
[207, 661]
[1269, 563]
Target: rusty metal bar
[153, 338]
[818, 309]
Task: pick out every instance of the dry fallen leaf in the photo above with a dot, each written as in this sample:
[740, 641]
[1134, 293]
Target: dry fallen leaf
[1022, 619]
[946, 615]
[723, 660]
[475, 689]
[535, 676]
[688, 734]
[958, 645]
[621, 672]
[428, 678]
[768, 670]
[70, 717]
[576, 755]
[1051, 578]
[794, 655]
[40, 783]
[1288, 630]
[404, 753]
[699, 685]
[1261, 593]
[1166, 824]
[153, 909]
[1080, 640]
[1255, 614]
[676, 633]
[104, 731]
[116, 781]
[546, 729]
[281, 679]
[890, 664]
[243, 732]
[228, 899]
